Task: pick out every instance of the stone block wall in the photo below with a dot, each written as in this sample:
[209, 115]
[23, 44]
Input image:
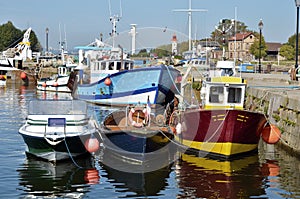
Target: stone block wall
[282, 107]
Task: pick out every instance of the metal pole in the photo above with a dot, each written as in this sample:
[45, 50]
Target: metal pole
[259, 63]
[297, 33]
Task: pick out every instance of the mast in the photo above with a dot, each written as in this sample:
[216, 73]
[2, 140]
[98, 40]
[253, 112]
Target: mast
[114, 19]
[189, 11]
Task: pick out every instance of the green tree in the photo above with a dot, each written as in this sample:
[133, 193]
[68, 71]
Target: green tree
[230, 28]
[287, 51]
[255, 49]
[10, 36]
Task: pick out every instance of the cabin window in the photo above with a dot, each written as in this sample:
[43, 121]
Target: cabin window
[118, 65]
[111, 66]
[102, 66]
[216, 94]
[234, 95]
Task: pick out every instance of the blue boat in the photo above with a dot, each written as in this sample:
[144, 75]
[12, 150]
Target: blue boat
[135, 86]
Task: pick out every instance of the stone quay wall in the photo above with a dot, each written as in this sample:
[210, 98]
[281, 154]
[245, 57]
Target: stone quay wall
[279, 99]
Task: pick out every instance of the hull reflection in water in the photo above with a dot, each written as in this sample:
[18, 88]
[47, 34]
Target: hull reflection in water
[218, 179]
[64, 179]
[139, 182]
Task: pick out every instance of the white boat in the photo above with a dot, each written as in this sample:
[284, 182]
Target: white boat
[57, 82]
[58, 129]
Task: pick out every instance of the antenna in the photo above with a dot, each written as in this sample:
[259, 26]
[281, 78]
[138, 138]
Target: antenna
[189, 11]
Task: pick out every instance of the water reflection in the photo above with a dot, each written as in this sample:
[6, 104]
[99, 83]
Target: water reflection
[139, 182]
[63, 179]
[219, 179]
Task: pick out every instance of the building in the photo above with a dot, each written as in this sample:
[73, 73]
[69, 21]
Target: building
[238, 46]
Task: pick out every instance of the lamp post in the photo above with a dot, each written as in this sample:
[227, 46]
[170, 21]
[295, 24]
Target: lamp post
[47, 32]
[297, 2]
[260, 26]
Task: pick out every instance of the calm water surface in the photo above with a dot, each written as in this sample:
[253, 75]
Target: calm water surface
[271, 173]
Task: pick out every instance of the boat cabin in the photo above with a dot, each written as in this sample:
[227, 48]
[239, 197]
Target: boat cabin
[100, 69]
[223, 92]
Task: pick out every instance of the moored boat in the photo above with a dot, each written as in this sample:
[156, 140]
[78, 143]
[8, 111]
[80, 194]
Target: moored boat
[136, 135]
[220, 127]
[132, 87]
[57, 82]
[58, 129]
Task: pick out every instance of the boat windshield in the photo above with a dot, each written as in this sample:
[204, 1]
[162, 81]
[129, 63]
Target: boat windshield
[57, 107]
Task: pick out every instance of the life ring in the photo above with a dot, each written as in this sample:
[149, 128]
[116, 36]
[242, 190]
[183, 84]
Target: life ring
[144, 115]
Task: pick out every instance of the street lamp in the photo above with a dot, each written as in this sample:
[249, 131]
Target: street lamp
[47, 32]
[297, 2]
[260, 26]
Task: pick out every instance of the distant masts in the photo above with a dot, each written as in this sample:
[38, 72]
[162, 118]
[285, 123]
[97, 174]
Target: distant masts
[189, 11]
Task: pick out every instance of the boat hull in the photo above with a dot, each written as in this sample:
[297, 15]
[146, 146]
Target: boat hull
[54, 85]
[137, 144]
[132, 87]
[66, 148]
[220, 133]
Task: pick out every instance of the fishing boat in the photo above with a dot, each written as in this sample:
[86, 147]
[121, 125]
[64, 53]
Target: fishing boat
[57, 82]
[132, 87]
[135, 134]
[220, 127]
[58, 129]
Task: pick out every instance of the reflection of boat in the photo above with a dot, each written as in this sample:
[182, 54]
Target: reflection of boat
[219, 179]
[221, 127]
[134, 134]
[132, 87]
[136, 180]
[57, 129]
[3, 73]
[63, 179]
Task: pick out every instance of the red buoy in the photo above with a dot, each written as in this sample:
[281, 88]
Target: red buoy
[44, 84]
[92, 145]
[23, 75]
[271, 134]
[55, 84]
[107, 81]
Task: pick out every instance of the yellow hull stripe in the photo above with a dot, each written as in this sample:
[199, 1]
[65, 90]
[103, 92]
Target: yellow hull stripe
[225, 148]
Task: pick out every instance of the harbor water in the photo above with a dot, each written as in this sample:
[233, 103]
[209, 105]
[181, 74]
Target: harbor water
[270, 173]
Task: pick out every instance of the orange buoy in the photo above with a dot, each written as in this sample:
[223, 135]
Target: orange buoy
[271, 134]
[107, 81]
[23, 75]
[92, 144]
[91, 176]
[55, 84]
[44, 84]
[2, 77]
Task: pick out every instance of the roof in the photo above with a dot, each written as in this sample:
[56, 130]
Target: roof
[273, 46]
[240, 36]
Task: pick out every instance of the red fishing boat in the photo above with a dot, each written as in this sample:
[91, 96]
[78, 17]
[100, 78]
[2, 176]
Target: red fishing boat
[220, 126]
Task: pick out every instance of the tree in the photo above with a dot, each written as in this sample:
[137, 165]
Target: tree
[10, 36]
[254, 48]
[287, 51]
[216, 35]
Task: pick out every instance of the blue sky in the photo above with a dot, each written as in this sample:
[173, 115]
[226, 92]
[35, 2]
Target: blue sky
[83, 21]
